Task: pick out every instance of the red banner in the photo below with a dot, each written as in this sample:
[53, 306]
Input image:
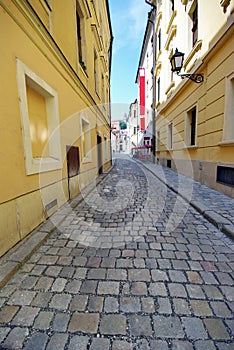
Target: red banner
[142, 97]
[142, 123]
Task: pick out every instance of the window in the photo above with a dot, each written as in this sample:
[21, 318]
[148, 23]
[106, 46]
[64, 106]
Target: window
[193, 14]
[191, 122]
[228, 127]
[169, 139]
[171, 7]
[40, 122]
[159, 40]
[158, 140]
[80, 26]
[106, 144]
[158, 89]
[85, 140]
[96, 76]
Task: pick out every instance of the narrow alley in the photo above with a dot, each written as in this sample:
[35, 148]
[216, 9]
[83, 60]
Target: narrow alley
[131, 266]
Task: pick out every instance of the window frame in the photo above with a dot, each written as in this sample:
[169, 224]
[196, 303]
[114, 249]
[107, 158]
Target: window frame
[37, 165]
[228, 118]
[85, 137]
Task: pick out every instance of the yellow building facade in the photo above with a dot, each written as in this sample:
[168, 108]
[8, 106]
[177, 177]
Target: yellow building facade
[195, 121]
[54, 110]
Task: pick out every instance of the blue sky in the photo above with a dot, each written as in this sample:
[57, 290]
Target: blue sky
[128, 19]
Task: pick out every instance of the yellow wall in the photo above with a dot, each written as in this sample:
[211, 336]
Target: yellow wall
[49, 50]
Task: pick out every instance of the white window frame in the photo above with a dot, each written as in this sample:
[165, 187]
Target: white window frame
[86, 158]
[228, 122]
[35, 165]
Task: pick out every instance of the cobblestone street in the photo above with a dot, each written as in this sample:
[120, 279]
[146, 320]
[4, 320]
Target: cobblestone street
[131, 267]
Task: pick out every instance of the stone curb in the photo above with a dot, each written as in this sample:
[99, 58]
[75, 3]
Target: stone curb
[223, 224]
[17, 256]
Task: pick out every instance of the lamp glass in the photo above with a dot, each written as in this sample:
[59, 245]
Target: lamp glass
[177, 61]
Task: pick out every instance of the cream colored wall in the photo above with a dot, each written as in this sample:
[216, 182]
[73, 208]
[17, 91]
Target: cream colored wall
[23, 198]
[209, 97]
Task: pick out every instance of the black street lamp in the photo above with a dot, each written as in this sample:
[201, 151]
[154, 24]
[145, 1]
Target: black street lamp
[177, 61]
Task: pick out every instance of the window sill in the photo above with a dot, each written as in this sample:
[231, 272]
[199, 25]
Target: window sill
[226, 143]
[191, 147]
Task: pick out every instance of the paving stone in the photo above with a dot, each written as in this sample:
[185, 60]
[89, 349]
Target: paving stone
[201, 308]
[216, 329]
[42, 299]
[80, 273]
[67, 272]
[148, 305]
[228, 292]
[60, 322]
[220, 309]
[96, 274]
[177, 276]
[83, 322]
[139, 263]
[15, 338]
[158, 275]
[44, 283]
[204, 345]
[139, 288]
[168, 327]
[25, 316]
[177, 290]
[110, 262]
[130, 304]
[195, 291]
[95, 304]
[113, 325]
[21, 298]
[100, 344]
[159, 345]
[140, 325]
[48, 260]
[43, 320]
[38, 341]
[88, 287]
[121, 345]
[59, 285]
[194, 328]
[181, 345]
[3, 333]
[73, 287]
[111, 305]
[164, 306]
[7, 313]
[108, 288]
[60, 301]
[213, 292]
[164, 263]
[208, 277]
[57, 341]
[79, 342]
[181, 306]
[124, 263]
[139, 275]
[194, 277]
[158, 288]
[117, 274]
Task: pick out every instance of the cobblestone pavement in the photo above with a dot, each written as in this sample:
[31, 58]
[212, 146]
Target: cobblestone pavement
[131, 267]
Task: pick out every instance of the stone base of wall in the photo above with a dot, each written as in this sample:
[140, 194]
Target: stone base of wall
[204, 172]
